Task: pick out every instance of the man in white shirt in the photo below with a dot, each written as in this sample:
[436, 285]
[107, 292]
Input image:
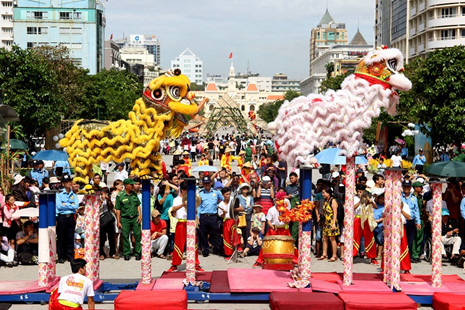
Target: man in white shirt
[277, 227]
[73, 289]
[121, 173]
[179, 209]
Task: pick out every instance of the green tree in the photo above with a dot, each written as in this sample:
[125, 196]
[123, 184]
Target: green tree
[29, 85]
[269, 111]
[437, 99]
[108, 95]
[333, 82]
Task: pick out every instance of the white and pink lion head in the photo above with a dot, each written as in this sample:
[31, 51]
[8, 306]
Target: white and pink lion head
[308, 123]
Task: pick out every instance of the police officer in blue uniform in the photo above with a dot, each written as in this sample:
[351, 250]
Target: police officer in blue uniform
[66, 205]
[208, 218]
[38, 172]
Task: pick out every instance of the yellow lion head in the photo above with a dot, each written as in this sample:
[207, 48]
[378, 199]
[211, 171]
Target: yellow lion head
[171, 91]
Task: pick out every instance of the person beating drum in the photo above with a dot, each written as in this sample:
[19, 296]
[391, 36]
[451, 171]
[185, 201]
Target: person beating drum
[277, 228]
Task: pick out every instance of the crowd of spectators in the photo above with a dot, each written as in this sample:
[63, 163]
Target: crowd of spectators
[254, 183]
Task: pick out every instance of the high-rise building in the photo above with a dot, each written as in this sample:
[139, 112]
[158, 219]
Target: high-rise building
[77, 24]
[328, 44]
[190, 65]
[325, 34]
[150, 42]
[418, 27]
[6, 23]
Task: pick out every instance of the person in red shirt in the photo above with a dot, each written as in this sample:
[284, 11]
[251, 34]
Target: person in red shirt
[158, 234]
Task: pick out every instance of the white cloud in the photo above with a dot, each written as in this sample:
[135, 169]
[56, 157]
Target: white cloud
[273, 35]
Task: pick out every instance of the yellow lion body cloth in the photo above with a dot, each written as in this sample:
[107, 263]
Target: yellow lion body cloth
[159, 113]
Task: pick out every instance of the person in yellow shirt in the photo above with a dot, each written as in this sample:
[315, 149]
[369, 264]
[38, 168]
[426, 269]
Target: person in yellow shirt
[203, 161]
[240, 159]
[226, 159]
[187, 161]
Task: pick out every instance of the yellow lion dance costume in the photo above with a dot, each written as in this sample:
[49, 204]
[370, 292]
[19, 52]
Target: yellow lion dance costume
[160, 112]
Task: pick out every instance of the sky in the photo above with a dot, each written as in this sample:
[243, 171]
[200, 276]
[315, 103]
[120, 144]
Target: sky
[272, 36]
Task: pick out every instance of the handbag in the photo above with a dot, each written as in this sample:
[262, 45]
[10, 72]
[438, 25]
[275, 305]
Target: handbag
[242, 221]
[106, 218]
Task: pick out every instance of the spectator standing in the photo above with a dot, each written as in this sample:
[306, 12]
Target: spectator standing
[396, 159]
[38, 172]
[404, 151]
[418, 241]
[61, 167]
[179, 209]
[444, 156]
[208, 218]
[66, 204]
[414, 223]
[231, 239]
[128, 216]
[265, 194]
[330, 224]
[107, 227]
[10, 223]
[105, 167]
[121, 173]
[282, 172]
[246, 202]
[378, 232]
[419, 162]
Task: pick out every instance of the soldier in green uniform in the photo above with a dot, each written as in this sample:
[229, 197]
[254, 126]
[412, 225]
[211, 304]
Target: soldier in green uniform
[417, 248]
[128, 215]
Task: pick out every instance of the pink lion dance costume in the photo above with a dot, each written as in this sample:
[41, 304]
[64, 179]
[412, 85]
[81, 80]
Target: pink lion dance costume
[307, 123]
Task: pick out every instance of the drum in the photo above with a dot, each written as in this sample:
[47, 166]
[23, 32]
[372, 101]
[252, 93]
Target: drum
[278, 252]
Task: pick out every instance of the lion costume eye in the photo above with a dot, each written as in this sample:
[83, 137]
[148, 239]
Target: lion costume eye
[392, 64]
[175, 92]
[158, 94]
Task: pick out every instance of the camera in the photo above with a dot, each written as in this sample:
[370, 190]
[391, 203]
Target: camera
[252, 183]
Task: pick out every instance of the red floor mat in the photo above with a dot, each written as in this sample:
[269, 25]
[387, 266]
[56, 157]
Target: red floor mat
[299, 300]
[448, 301]
[370, 301]
[219, 282]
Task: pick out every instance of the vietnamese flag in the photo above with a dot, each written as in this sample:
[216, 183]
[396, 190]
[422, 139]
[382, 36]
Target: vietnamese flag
[230, 55]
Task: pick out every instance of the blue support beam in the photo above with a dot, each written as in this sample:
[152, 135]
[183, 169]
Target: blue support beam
[306, 191]
[146, 204]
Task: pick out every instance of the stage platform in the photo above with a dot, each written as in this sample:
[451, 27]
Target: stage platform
[244, 285]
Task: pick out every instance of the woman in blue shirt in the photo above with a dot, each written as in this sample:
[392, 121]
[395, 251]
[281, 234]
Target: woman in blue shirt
[168, 191]
[378, 232]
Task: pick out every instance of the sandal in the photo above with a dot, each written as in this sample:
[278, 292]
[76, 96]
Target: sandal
[332, 259]
[322, 257]
[115, 256]
[161, 256]
[102, 257]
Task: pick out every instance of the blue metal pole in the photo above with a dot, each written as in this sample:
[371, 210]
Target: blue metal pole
[52, 219]
[190, 198]
[43, 211]
[44, 248]
[306, 191]
[146, 204]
